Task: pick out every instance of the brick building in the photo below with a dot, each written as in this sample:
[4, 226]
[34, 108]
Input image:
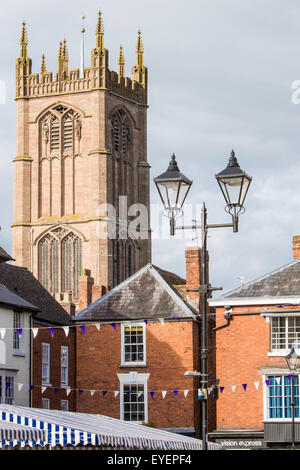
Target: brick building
[139, 340]
[81, 163]
[256, 326]
[49, 352]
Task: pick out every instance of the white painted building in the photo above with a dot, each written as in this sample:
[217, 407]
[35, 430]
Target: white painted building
[15, 348]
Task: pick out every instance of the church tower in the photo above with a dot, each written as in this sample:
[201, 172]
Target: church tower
[81, 174]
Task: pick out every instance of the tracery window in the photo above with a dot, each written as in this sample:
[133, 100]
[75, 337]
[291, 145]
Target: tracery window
[61, 131]
[60, 261]
[121, 134]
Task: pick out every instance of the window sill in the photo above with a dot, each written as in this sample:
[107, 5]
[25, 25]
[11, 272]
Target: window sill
[281, 353]
[46, 384]
[132, 364]
[18, 352]
[280, 420]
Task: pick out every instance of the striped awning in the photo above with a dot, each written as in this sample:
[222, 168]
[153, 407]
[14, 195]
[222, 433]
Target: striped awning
[69, 428]
[19, 435]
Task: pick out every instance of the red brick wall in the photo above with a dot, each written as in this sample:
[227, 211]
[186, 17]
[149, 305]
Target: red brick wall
[59, 339]
[170, 352]
[242, 351]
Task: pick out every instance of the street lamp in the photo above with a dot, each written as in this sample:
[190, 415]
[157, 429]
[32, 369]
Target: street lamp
[173, 188]
[234, 184]
[292, 359]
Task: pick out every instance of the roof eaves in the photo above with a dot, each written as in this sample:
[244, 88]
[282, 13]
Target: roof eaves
[259, 279]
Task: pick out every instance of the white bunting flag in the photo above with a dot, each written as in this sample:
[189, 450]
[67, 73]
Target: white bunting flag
[2, 332]
[164, 393]
[116, 393]
[278, 379]
[233, 388]
[92, 392]
[68, 390]
[35, 331]
[256, 385]
[43, 389]
[97, 325]
[66, 330]
[162, 321]
[20, 386]
[185, 392]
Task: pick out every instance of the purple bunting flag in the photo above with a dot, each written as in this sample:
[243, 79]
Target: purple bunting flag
[56, 389]
[114, 326]
[267, 382]
[31, 387]
[152, 394]
[244, 386]
[104, 392]
[289, 377]
[175, 393]
[51, 331]
[221, 389]
[7, 384]
[80, 391]
[82, 327]
[19, 331]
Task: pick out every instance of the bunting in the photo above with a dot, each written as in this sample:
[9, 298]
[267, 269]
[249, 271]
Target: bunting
[174, 392]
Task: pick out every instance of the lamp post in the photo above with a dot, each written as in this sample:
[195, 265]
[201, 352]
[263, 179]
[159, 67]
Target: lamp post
[173, 188]
[292, 362]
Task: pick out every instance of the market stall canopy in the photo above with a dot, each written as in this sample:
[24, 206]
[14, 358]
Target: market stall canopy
[65, 428]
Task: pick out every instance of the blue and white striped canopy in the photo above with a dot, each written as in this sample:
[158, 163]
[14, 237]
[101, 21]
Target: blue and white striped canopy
[70, 428]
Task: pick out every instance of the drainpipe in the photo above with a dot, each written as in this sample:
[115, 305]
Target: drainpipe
[228, 317]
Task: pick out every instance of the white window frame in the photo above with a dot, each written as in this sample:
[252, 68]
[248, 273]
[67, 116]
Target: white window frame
[134, 378]
[282, 351]
[4, 375]
[46, 403]
[266, 413]
[17, 340]
[64, 367]
[46, 378]
[132, 363]
[64, 405]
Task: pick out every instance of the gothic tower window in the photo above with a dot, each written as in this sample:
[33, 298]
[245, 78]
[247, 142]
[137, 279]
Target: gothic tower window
[60, 261]
[115, 133]
[121, 134]
[61, 127]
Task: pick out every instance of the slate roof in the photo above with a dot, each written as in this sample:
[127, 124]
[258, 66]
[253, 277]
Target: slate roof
[8, 298]
[282, 282]
[22, 282]
[145, 295]
[4, 256]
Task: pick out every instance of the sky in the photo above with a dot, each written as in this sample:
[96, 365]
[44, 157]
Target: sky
[221, 77]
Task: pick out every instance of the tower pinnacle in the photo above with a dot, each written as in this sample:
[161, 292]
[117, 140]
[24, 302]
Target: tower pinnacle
[23, 41]
[99, 32]
[121, 63]
[139, 72]
[43, 65]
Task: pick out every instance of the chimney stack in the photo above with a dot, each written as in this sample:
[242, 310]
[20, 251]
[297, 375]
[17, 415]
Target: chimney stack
[296, 247]
[88, 292]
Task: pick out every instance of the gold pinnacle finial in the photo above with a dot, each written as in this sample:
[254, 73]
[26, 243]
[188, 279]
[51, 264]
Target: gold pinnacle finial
[99, 32]
[43, 65]
[65, 50]
[23, 40]
[121, 63]
[60, 50]
[139, 44]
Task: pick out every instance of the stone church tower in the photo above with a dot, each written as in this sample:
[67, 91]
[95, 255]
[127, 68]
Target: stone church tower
[81, 144]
